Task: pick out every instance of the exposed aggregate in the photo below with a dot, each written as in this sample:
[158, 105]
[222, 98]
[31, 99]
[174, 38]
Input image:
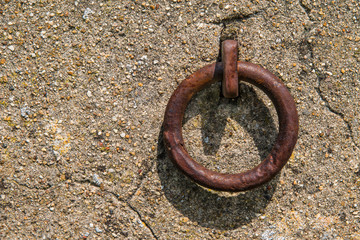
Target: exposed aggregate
[83, 89]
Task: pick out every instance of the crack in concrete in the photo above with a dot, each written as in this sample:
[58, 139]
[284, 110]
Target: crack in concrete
[142, 220]
[306, 8]
[135, 210]
[142, 180]
[35, 187]
[236, 17]
[338, 113]
[231, 33]
[320, 76]
[126, 201]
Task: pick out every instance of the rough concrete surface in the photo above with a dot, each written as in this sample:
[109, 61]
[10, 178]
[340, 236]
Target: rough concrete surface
[83, 89]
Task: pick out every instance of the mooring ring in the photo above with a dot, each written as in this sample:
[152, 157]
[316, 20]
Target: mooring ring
[270, 166]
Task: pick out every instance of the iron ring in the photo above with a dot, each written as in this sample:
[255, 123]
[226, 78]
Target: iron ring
[270, 166]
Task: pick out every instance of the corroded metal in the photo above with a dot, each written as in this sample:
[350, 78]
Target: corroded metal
[270, 166]
[229, 56]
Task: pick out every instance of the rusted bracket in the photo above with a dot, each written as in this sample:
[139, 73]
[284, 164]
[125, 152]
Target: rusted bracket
[229, 56]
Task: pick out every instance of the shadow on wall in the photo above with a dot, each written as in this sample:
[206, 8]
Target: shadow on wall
[209, 208]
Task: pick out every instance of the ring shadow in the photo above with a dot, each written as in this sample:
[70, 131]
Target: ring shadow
[207, 207]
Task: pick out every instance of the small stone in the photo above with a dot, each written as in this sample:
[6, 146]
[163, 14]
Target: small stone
[2, 61]
[96, 180]
[52, 209]
[122, 134]
[62, 177]
[115, 130]
[185, 219]
[87, 12]
[56, 154]
[12, 48]
[89, 94]
[98, 230]
[306, 112]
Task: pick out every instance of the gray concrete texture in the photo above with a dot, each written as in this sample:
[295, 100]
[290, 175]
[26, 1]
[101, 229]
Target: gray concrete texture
[83, 89]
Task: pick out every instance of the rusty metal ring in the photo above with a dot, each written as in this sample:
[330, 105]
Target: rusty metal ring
[268, 168]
